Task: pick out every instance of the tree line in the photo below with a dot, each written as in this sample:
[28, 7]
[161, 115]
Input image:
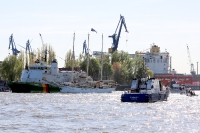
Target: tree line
[118, 66]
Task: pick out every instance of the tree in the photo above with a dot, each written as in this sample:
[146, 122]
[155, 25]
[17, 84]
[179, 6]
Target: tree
[51, 55]
[107, 70]
[94, 67]
[107, 67]
[140, 70]
[127, 65]
[68, 59]
[117, 72]
[11, 68]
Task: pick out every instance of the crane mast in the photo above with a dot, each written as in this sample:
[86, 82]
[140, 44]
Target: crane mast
[12, 44]
[85, 50]
[28, 48]
[192, 71]
[115, 36]
[45, 52]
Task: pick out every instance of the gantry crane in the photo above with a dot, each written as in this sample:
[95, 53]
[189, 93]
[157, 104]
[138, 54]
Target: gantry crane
[192, 71]
[116, 36]
[12, 44]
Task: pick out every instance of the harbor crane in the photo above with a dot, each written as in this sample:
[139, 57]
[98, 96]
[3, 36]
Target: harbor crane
[116, 36]
[45, 53]
[28, 48]
[12, 44]
[85, 50]
[192, 71]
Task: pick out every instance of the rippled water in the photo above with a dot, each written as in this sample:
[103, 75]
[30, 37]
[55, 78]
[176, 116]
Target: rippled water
[96, 113]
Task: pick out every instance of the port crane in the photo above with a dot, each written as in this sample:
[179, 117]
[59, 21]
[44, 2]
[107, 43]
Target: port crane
[85, 50]
[28, 48]
[12, 44]
[45, 52]
[192, 71]
[116, 36]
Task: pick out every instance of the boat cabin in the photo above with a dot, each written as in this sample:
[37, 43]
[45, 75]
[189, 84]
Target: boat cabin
[145, 84]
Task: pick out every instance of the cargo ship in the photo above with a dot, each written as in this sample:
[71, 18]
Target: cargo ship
[160, 63]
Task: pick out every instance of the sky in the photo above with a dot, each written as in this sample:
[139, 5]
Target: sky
[170, 24]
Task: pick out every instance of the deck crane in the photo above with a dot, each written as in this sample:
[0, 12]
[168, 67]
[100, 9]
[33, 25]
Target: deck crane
[116, 36]
[192, 71]
[85, 50]
[12, 44]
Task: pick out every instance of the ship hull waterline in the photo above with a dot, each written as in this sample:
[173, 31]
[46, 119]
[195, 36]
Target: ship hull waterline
[143, 97]
[24, 87]
[68, 89]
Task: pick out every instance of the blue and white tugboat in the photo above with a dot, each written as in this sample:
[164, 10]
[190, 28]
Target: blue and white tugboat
[145, 90]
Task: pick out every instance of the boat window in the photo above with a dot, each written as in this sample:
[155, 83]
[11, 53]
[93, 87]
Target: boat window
[149, 84]
[134, 84]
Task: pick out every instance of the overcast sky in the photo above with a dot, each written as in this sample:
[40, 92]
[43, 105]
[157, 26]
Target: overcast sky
[170, 24]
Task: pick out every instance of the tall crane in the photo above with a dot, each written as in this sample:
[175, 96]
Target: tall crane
[85, 50]
[116, 36]
[12, 44]
[45, 53]
[28, 48]
[41, 39]
[192, 71]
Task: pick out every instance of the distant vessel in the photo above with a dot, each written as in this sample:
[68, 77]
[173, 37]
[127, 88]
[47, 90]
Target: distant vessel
[160, 63]
[145, 90]
[106, 86]
[88, 87]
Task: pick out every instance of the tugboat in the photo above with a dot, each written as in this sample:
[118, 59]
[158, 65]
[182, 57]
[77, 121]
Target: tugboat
[145, 90]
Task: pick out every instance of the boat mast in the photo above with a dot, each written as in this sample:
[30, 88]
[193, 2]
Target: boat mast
[102, 58]
[73, 56]
[88, 57]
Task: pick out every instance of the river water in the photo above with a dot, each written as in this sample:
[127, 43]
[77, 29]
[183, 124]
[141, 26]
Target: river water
[96, 113]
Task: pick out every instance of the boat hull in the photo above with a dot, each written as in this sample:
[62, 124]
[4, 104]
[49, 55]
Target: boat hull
[137, 97]
[25, 87]
[68, 89]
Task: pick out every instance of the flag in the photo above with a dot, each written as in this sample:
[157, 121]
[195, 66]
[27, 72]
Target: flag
[93, 30]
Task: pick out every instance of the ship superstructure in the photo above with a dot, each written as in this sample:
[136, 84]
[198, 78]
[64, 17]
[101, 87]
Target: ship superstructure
[158, 62]
[40, 72]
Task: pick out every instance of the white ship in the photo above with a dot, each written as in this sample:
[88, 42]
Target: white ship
[87, 86]
[43, 73]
